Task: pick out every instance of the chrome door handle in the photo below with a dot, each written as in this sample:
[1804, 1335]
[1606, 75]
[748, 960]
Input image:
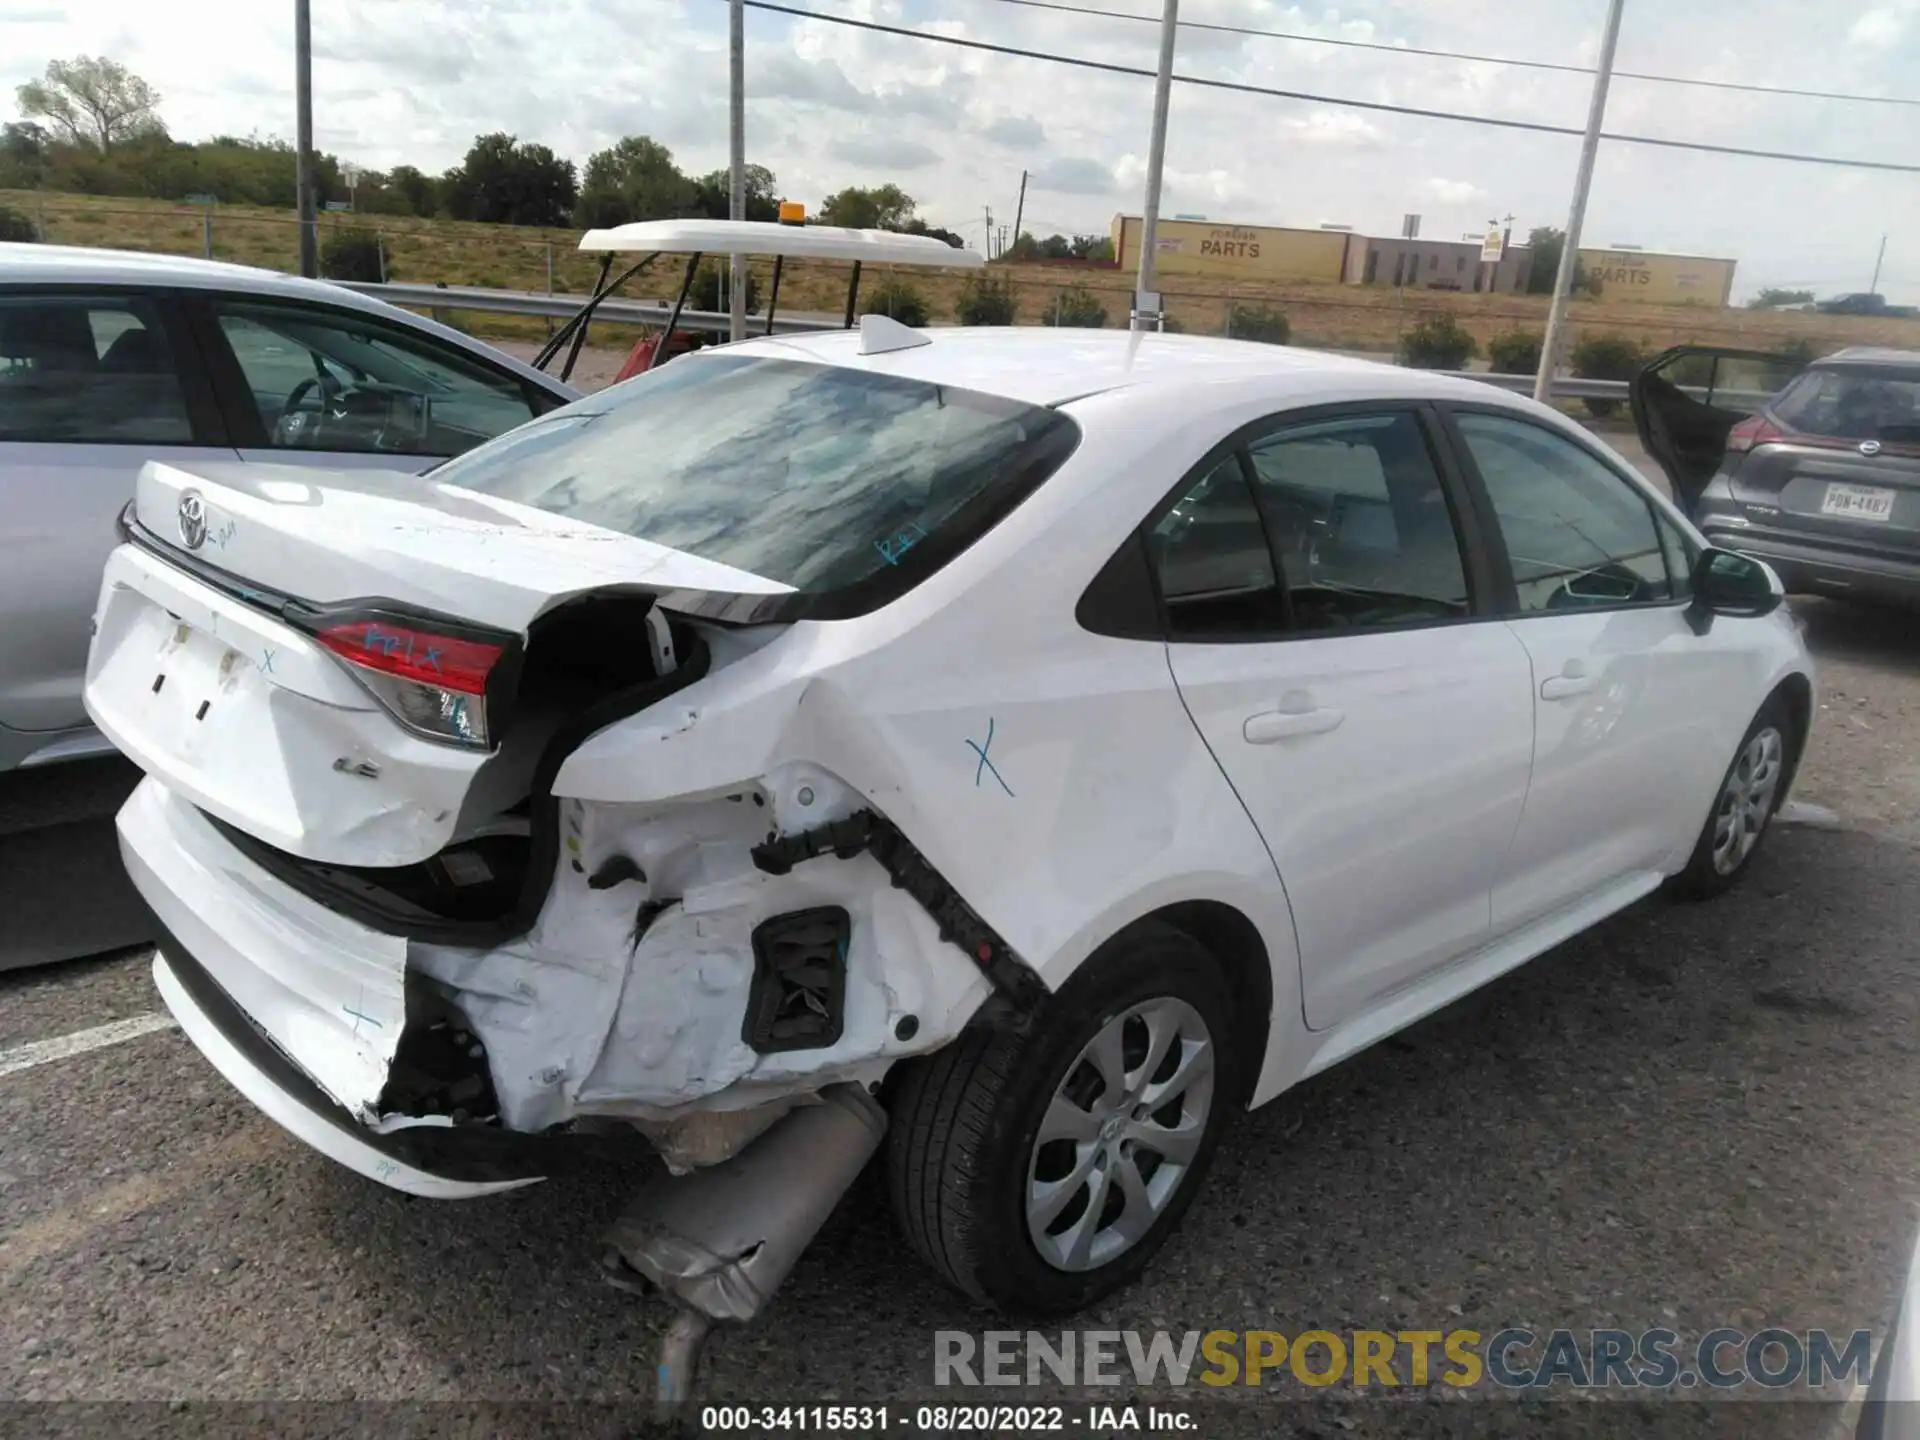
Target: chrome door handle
[1565, 687]
[1271, 725]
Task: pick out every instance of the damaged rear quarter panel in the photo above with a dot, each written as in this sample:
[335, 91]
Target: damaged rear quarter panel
[1052, 777]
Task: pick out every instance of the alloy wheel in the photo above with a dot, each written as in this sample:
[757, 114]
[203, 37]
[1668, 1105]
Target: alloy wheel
[1120, 1134]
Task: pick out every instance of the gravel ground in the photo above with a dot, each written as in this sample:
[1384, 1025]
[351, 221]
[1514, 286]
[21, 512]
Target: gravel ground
[1692, 1116]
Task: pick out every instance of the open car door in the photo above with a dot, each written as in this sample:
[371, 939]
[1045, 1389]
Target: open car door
[1687, 399]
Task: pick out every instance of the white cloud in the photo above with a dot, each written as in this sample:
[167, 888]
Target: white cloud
[1453, 192]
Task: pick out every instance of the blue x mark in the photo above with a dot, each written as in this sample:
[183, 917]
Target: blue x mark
[985, 764]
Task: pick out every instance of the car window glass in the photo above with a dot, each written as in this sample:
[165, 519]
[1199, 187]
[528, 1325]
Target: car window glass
[1578, 535]
[1853, 404]
[821, 477]
[1210, 554]
[334, 380]
[89, 370]
[1361, 523]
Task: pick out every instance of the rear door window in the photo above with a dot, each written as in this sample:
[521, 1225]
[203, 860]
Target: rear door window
[85, 369]
[323, 379]
[1360, 523]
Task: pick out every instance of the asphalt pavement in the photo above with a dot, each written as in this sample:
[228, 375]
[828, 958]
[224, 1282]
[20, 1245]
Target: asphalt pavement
[1690, 1117]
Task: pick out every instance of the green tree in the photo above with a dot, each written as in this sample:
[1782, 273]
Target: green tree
[1772, 298]
[417, 190]
[1546, 243]
[986, 300]
[881, 207]
[634, 179]
[93, 102]
[897, 300]
[1515, 352]
[1438, 342]
[713, 194]
[1078, 308]
[16, 228]
[1259, 322]
[1092, 247]
[506, 182]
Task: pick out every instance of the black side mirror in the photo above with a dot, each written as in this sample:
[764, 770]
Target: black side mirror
[1727, 583]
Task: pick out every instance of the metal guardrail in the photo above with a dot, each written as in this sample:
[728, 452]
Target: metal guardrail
[655, 313]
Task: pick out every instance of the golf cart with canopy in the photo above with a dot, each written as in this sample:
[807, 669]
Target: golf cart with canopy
[787, 238]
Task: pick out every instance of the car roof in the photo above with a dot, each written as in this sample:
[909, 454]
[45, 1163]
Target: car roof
[1041, 365]
[30, 264]
[1871, 355]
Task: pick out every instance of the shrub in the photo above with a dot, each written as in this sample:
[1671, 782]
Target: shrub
[897, 300]
[1607, 357]
[1516, 352]
[1258, 322]
[1077, 307]
[16, 227]
[1438, 343]
[1800, 349]
[986, 299]
[352, 254]
[705, 294]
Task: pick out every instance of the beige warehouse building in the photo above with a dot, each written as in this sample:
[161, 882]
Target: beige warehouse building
[1202, 249]
[1236, 252]
[1663, 279]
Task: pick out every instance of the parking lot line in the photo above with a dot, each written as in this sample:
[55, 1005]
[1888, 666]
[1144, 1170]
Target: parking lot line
[41, 1052]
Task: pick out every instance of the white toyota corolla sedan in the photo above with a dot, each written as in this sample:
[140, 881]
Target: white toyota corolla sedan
[1055, 740]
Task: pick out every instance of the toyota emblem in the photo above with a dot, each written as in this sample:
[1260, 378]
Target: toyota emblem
[193, 520]
[1869, 447]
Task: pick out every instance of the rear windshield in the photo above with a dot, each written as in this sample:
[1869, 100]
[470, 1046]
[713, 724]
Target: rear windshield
[819, 477]
[1853, 404]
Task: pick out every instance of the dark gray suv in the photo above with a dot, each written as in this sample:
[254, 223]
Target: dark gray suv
[1814, 469]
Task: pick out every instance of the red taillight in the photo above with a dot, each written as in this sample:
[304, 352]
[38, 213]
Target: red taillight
[460, 665]
[434, 684]
[1752, 431]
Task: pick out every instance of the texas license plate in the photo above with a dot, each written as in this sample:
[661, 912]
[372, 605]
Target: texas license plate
[1857, 502]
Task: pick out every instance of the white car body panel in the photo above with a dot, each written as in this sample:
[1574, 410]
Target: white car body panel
[1426, 842]
[1388, 834]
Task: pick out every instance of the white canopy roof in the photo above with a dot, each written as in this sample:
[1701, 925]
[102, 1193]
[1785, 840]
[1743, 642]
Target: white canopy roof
[767, 237]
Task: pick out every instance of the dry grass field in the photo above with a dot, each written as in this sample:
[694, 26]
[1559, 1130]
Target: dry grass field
[1348, 317]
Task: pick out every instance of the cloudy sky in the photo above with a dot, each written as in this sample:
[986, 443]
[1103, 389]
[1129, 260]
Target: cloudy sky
[415, 80]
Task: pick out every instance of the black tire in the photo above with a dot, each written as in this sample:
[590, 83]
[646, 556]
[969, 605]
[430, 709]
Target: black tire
[965, 1122]
[1704, 876]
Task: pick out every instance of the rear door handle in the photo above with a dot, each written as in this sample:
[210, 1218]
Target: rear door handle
[1565, 687]
[1272, 725]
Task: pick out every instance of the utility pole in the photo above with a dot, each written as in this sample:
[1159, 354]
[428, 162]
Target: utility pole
[1879, 260]
[1021, 208]
[989, 241]
[303, 139]
[1146, 300]
[737, 198]
[1582, 182]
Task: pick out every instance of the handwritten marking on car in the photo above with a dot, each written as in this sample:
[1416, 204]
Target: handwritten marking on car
[980, 748]
[892, 549]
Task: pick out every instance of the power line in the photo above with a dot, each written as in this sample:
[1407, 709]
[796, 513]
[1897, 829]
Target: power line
[1240, 87]
[1461, 55]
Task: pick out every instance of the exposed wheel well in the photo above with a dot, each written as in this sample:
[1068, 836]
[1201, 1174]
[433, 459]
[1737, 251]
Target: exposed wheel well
[1797, 693]
[1235, 942]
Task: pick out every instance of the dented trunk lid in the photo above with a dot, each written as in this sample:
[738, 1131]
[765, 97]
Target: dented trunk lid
[210, 670]
[331, 536]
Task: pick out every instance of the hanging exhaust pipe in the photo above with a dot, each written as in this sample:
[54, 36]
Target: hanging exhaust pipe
[720, 1241]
